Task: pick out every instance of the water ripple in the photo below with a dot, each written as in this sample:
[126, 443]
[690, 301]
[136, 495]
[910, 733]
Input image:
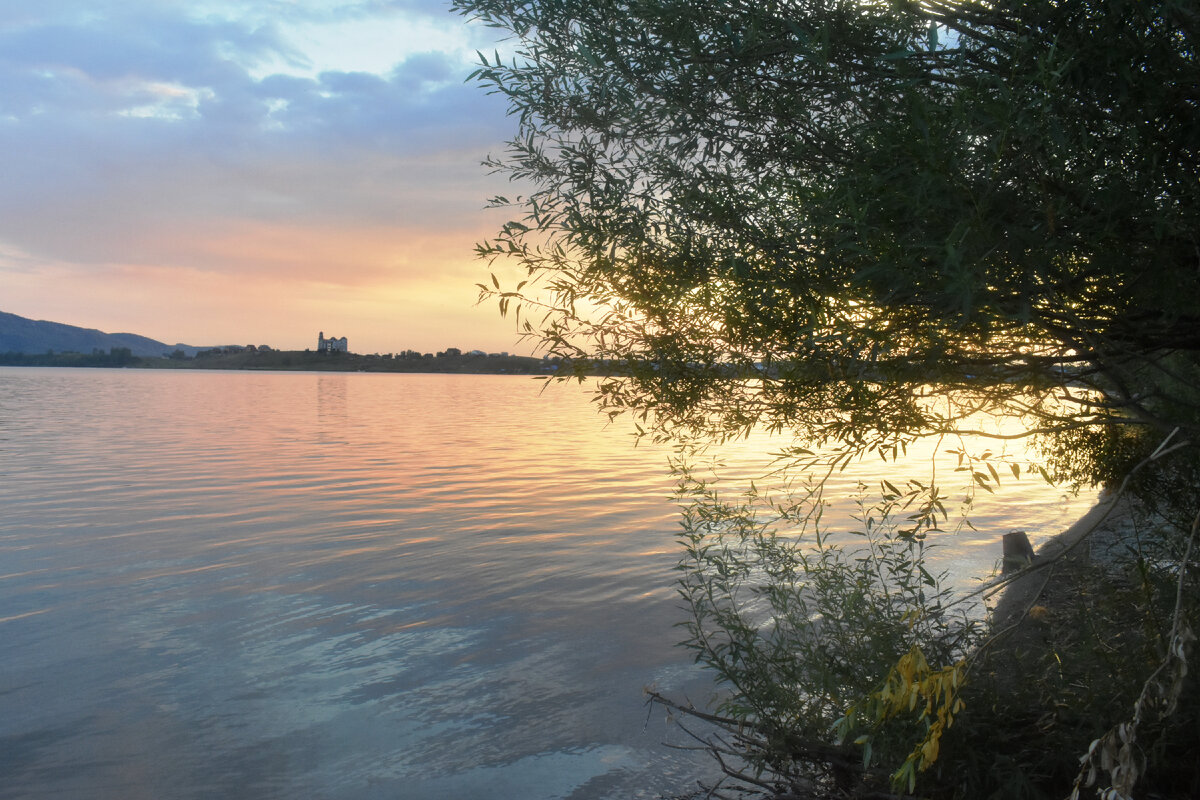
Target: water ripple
[342, 586]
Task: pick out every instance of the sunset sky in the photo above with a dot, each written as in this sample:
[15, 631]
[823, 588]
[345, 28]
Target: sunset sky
[248, 171]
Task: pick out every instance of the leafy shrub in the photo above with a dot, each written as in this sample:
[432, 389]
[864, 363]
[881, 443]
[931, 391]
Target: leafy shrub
[803, 632]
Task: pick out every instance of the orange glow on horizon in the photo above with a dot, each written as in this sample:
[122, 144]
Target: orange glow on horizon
[386, 289]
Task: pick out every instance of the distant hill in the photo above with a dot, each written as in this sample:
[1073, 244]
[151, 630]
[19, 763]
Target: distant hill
[21, 335]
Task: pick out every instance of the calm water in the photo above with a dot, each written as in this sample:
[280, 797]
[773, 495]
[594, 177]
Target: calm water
[288, 585]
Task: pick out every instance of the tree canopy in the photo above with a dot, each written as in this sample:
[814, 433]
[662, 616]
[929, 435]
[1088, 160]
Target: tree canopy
[815, 215]
[852, 200]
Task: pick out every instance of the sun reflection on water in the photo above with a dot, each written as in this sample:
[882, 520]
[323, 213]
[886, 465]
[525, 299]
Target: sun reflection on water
[348, 586]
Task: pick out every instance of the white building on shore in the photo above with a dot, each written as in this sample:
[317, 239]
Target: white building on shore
[332, 344]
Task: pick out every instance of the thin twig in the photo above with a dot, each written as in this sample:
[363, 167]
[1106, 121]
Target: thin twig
[827, 752]
[999, 635]
[1176, 642]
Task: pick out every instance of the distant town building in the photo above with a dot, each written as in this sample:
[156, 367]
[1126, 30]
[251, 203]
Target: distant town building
[331, 345]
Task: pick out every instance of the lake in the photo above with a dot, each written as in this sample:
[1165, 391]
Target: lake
[341, 585]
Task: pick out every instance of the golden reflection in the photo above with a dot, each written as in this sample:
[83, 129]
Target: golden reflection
[340, 543]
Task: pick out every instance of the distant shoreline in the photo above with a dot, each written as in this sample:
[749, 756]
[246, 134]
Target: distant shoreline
[302, 361]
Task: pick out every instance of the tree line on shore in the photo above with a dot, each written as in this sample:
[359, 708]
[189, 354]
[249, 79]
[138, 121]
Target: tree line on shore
[450, 360]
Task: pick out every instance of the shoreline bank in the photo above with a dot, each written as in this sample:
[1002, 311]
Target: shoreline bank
[1107, 523]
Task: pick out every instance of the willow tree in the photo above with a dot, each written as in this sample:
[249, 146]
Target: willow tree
[816, 215]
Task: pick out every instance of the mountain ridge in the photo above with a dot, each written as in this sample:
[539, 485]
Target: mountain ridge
[23, 335]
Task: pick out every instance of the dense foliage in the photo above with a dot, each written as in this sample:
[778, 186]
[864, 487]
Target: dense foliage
[115, 357]
[853, 199]
[820, 216]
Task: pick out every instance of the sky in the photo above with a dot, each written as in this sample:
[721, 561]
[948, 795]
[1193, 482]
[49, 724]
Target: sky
[249, 171]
